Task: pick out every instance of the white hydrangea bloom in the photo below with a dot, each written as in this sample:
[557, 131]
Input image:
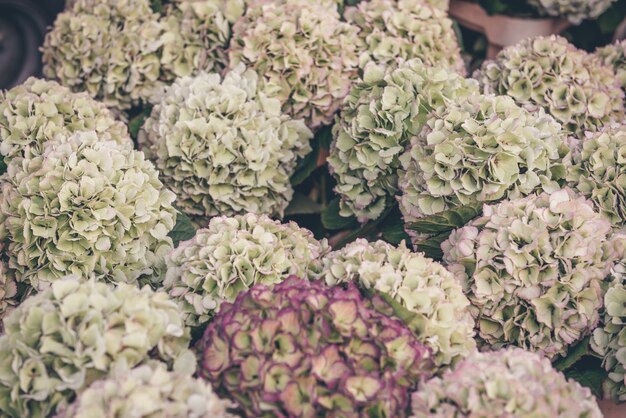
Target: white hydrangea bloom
[224, 146]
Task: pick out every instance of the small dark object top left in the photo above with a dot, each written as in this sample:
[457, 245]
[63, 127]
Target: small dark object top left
[23, 26]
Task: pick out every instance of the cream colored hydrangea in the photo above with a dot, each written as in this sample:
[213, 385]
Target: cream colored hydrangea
[609, 340]
[8, 291]
[397, 30]
[39, 110]
[483, 150]
[550, 73]
[378, 119]
[574, 10]
[232, 255]
[532, 270]
[504, 384]
[110, 48]
[59, 341]
[85, 205]
[614, 56]
[303, 52]
[424, 287]
[223, 146]
[197, 33]
[599, 171]
[148, 391]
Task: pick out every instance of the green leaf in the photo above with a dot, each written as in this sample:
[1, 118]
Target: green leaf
[3, 166]
[308, 164]
[392, 228]
[369, 229]
[611, 18]
[589, 373]
[302, 205]
[325, 136]
[156, 5]
[574, 354]
[183, 230]
[493, 7]
[135, 124]
[447, 220]
[431, 247]
[411, 319]
[333, 221]
[394, 233]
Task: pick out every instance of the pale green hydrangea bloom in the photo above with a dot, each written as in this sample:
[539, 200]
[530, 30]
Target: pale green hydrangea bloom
[223, 146]
[504, 384]
[148, 391]
[614, 56]
[8, 290]
[483, 150]
[59, 341]
[197, 33]
[39, 110]
[303, 52]
[85, 205]
[424, 287]
[110, 48]
[574, 10]
[233, 254]
[609, 340]
[550, 73]
[599, 171]
[395, 30]
[532, 270]
[378, 119]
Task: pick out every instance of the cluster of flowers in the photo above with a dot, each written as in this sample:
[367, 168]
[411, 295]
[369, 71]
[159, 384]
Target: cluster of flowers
[308, 55]
[334, 343]
[98, 308]
[427, 135]
[574, 10]
[123, 53]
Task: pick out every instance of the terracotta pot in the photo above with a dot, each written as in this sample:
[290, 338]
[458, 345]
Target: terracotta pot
[612, 410]
[502, 31]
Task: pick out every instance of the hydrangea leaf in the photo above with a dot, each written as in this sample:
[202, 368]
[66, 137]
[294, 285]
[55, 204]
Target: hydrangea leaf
[183, 229]
[302, 205]
[308, 164]
[576, 353]
[392, 230]
[447, 220]
[331, 219]
[135, 124]
[432, 246]
[588, 373]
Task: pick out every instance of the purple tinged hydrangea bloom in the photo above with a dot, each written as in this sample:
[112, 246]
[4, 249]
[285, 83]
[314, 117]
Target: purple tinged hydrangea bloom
[303, 349]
